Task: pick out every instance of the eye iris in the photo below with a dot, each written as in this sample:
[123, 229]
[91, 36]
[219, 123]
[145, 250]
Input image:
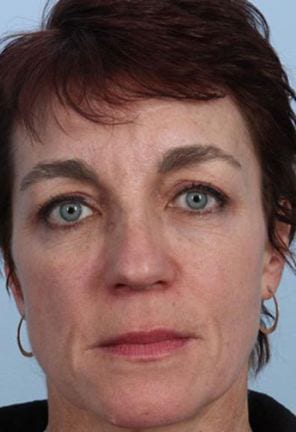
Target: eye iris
[70, 212]
[196, 200]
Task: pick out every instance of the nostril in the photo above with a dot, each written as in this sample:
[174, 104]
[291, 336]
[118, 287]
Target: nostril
[128, 287]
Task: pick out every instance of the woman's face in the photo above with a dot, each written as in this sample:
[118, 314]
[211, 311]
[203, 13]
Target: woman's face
[153, 224]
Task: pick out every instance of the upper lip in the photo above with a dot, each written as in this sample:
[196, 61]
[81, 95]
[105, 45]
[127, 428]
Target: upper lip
[145, 337]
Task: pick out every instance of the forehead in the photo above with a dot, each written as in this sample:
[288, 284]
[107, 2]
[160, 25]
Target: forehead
[143, 132]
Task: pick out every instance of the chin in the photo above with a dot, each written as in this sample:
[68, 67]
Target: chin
[146, 414]
[147, 406]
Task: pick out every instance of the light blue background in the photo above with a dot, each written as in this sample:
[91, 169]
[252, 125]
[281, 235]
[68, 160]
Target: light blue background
[21, 379]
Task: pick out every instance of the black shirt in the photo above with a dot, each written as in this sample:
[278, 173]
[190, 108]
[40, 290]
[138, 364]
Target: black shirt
[266, 415]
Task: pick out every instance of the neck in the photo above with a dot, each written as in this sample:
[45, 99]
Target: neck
[229, 413]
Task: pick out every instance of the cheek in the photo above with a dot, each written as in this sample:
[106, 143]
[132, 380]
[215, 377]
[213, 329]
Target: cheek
[59, 283]
[224, 271]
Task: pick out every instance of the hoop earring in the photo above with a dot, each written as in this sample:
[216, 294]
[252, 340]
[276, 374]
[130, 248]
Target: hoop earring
[19, 343]
[271, 329]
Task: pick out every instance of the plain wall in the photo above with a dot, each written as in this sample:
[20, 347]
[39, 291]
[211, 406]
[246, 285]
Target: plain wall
[21, 379]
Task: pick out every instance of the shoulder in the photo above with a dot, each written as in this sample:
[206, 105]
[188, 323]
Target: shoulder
[30, 416]
[267, 415]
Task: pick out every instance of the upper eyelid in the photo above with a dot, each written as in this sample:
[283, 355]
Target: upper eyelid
[63, 198]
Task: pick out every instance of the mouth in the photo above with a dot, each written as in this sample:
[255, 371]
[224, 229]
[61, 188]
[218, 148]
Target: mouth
[149, 345]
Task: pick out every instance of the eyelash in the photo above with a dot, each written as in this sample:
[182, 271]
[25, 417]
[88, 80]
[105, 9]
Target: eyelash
[44, 210]
[207, 189]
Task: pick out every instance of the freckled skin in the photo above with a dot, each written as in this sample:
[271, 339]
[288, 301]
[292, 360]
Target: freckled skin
[142, 261]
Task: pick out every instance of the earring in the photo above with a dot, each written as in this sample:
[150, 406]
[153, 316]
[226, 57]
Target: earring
[271, 329]
[22, 350]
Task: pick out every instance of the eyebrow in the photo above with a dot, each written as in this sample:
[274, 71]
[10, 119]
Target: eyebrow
[181, 157]
[73, 168]
[173, 160]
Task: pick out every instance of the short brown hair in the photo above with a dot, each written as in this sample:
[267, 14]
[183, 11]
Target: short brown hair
[118, 51]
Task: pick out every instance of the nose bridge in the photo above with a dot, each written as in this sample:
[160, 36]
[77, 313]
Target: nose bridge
[139, 254]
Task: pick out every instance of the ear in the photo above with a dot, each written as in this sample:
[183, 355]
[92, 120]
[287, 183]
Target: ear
[15, 288]
[274, 263]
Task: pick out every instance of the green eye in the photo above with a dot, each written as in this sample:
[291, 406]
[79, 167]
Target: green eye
[196, 200]
[70, 212]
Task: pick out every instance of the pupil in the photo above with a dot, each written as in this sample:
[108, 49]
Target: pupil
[71, 210]
[197, 198]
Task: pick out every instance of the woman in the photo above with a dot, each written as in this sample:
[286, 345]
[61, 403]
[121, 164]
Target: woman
[146, 214]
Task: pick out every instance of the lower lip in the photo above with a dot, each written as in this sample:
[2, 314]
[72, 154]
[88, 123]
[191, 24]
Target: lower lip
[146, 351]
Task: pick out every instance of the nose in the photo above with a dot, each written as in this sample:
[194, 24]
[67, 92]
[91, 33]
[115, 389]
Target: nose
[139, 257]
